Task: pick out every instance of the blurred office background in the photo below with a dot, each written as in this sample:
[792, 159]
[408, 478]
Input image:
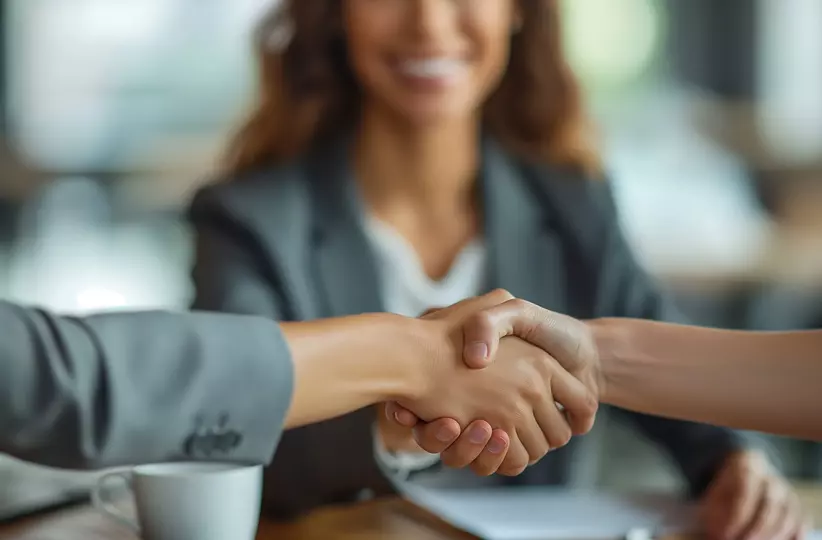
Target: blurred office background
[113, 111]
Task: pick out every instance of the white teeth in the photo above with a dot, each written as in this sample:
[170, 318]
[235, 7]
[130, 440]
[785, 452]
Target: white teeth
[433, 67]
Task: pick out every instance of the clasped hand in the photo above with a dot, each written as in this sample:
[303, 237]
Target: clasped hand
[498, 410]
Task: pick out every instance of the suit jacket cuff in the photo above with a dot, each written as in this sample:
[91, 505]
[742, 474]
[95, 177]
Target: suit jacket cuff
[260, 408]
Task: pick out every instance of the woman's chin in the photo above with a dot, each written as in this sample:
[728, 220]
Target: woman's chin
[435, 115]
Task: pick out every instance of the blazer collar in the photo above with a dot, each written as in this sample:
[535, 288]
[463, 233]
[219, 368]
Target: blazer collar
[525, 253]
[345, 263]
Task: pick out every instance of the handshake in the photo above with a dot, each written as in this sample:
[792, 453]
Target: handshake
[507, 382]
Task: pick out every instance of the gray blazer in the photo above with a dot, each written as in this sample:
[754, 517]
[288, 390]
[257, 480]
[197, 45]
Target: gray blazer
[117, 389]
[286, 242]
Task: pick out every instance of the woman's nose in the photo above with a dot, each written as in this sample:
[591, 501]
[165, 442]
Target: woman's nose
[432, 18]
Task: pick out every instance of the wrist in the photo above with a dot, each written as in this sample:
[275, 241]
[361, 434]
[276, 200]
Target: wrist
[611, 339]
[428, 349]
[407, 344]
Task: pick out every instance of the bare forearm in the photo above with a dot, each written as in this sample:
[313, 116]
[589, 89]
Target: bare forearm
[763, 381]
[341, 365]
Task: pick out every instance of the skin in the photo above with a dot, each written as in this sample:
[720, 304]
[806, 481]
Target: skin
[427, 375]
[695, 374]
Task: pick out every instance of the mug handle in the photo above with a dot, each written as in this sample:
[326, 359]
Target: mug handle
[106, 507]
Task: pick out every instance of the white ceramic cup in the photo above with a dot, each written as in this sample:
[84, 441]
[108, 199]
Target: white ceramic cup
[188, 501]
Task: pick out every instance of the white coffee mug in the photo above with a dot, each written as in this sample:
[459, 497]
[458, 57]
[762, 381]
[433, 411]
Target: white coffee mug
[188, 501]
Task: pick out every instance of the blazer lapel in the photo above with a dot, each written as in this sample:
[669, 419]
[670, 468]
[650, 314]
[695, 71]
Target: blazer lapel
[525, 252]
[345, 264]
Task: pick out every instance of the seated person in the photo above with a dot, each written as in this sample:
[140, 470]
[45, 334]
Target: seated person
[405, 155]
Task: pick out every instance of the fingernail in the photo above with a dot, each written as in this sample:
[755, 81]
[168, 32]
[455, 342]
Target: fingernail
[444, 434]
[478, 436]
[477, 349]
[496, 446]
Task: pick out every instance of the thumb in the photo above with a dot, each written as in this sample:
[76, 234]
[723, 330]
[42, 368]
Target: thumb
[483, 330]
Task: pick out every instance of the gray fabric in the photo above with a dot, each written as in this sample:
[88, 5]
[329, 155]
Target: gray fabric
[286, 242]
[128, 388]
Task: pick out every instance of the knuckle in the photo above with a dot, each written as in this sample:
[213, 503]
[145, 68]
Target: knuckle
[561, 437]
[519, 305]
[519, 463]
[533, 389]
[514, 463]
[590, 405]
[482, 321]
[532, 392]
[500, 294]
[521, 416]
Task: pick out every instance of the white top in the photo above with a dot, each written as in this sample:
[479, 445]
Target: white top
[407, 290]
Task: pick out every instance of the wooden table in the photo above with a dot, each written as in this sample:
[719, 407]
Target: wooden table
[389, 519]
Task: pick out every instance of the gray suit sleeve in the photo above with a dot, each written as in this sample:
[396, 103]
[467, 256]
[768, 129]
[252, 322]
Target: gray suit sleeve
[626, 290]
[127, 388]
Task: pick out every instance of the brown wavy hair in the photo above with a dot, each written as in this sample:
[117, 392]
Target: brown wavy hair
[308, 91]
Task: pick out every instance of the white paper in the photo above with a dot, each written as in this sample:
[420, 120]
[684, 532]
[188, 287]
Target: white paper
[546, 513]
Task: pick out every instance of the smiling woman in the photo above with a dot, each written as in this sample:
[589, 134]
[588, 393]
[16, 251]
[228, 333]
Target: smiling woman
[316, 59]
[407, 154]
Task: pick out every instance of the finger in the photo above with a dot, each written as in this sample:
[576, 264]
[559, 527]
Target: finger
[516, 459]
[491, 458]
[431, 311]
[552, 332]
[554, 427]
[477, 354]
[468, 446]
[469, 306]
[483, 330]
[579, 403]
[766, 518]
[789, 522]
[436, 436]
[400, 415]
[534, 441]
[742, 505]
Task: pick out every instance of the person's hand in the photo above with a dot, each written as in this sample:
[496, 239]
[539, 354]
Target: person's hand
[749, 500]
[479, 445]
[570, 340]
[516, 393]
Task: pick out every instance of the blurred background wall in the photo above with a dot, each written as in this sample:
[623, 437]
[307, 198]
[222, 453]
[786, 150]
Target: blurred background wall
[113, 111]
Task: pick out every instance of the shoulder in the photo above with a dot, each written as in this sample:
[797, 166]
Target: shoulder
[581, 203]
[267, 189]
[263, 199]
